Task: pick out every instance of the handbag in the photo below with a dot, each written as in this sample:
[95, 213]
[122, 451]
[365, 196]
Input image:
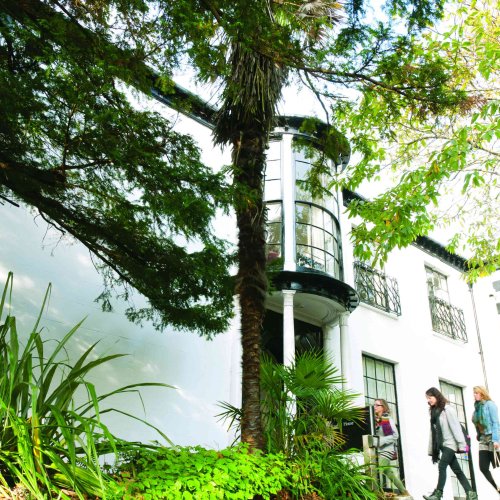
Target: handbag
[495, 471]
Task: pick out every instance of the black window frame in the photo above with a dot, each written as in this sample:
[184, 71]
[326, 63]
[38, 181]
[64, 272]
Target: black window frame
[463, 458]
[381, 381]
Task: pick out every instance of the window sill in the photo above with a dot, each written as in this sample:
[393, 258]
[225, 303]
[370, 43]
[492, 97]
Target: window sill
[376, 309]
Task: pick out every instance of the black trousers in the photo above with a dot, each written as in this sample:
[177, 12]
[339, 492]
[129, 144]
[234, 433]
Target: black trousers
[485, 460]
[448, 458]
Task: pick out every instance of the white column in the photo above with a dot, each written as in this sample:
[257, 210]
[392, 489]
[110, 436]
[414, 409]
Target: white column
[289, 342]
[345, 351]
[288, 328]
[331, 346]
[288, 195]
[331, 343]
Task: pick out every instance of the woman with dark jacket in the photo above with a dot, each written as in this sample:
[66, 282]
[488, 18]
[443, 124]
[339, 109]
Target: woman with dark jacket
[485, 418]
[446, 438]
[386, 443]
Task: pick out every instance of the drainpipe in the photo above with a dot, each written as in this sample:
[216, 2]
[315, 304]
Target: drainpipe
[478, 333]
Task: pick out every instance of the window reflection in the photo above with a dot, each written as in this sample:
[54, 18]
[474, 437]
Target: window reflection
[317, 245]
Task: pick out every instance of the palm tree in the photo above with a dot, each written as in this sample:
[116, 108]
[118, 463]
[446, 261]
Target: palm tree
[252, 91]
[244, 121]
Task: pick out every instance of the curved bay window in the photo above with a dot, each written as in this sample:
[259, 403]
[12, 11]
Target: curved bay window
[300, 227]
[316, 239]
[273, 230]
[316, 224]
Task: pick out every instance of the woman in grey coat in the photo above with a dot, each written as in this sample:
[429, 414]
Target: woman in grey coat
[446, 438]
[386, 443]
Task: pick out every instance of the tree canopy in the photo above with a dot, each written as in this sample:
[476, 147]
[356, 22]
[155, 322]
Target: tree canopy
[131, 189]
[436, 171]
[117, 178]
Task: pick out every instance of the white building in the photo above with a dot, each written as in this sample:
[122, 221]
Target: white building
[393, 332]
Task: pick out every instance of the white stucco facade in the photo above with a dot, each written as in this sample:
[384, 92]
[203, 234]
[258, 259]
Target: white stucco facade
[207, 372]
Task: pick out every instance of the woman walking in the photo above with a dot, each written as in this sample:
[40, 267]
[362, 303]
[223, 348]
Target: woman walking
[485, 418]
[446, 438]
[386, 443]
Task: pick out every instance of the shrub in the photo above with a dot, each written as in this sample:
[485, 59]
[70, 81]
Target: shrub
[302, 415]
[49, 443]
[200, 474]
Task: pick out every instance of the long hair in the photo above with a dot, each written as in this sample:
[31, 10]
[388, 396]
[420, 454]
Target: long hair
[440, 399]
[385, 405]
[483, 391]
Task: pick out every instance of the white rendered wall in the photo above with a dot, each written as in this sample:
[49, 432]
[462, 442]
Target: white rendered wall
[203, 372]
[422, 357]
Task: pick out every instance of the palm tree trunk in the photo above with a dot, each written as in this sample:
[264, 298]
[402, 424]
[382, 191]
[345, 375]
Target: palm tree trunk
[244, 121]
[251, 280]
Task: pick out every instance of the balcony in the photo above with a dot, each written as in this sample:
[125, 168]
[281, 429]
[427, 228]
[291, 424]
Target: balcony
[377, 289]
[447, 319]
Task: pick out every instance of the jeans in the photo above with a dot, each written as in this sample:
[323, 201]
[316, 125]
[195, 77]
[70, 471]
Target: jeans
[390, 473]
[448, 458]
[485, 460]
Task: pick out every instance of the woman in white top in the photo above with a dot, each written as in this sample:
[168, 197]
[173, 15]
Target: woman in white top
[446, 438]
[386, 442]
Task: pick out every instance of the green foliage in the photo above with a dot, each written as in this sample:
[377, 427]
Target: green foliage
[51, 436]
[337, 475]
[432, 168]
[200, 474]
[302, 415]
[301, 403]
[117, 178]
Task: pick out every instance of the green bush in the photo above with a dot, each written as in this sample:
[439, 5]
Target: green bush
[200, 474]
[302, 415]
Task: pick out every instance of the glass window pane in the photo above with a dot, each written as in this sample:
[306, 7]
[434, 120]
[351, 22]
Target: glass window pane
[273, 252]
[272, 190]
[301, 169]
[381, 390]
[372, 386]
[330, 265]
[329, 243]
[304, 257]
[274, 151]
[318, 239]
[380, 370]
[302, 213]
[273, 212]
[370, 367]
[317, 216]
[302, 234]
[389, 373]
[298, 155]
[318, 259]
[273, 169]
[273, 233]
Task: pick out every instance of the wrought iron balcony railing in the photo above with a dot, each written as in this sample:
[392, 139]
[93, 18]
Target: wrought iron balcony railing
[447, 319]
[377, 289]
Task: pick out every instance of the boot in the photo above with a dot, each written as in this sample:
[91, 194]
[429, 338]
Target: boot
[471, 495]
[436, 495]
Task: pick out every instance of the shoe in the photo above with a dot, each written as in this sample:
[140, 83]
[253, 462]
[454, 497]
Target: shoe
[471, 495]
[436, 495]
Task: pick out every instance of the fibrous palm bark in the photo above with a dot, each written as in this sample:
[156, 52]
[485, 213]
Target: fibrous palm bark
[252, 91]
